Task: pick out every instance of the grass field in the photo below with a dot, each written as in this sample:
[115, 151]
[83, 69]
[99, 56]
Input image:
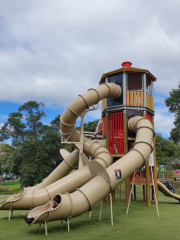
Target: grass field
[14, 185]
[141, 223]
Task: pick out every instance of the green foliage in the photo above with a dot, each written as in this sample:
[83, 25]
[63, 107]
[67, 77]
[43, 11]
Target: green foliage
[173, 102]
[35, 146]
[166, 151]
[6, 158]
[90, 126]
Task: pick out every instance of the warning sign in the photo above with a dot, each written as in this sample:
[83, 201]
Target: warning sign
[117, 174]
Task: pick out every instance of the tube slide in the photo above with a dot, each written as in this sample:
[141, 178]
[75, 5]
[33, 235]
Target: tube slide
[27, 194]
[104, 181]
[166, 191]
[29, 198]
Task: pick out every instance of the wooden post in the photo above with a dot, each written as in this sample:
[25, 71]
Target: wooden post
[107, 146]
[144, 194]
[155, 166]
[113, 194]
[148, 189]
[127, 180]
[107, 199]
[107, 131]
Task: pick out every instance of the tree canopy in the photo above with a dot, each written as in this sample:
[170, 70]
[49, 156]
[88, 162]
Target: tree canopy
[173, 103]
[35, 146]
[166, 151]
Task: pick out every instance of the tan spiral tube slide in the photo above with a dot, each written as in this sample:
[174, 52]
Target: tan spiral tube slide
[30, 198]
[83, 199]
[25, 198]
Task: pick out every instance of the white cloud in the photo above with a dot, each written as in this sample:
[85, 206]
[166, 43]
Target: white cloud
[163, 121]
[52, 51]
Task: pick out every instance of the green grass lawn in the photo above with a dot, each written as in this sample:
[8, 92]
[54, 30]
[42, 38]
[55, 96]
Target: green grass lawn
[141, 222]
[14, 185]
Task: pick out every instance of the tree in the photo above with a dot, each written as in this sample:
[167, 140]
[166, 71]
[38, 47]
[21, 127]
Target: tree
[90, 126]
[6, 158]
[166, 151]
[173, 102]
[37, 145]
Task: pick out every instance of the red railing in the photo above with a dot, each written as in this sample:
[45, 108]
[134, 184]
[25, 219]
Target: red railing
[148, 115]
[116, 133]
[140, 175]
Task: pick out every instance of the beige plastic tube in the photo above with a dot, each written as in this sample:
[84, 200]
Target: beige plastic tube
[166, 191]
[31, 198]
[82, 200]
[26, 195]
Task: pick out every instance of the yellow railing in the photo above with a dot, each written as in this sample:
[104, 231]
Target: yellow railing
[135, 98]
[149, 100]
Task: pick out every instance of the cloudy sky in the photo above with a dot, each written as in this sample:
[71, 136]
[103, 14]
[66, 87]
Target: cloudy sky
[51, 51]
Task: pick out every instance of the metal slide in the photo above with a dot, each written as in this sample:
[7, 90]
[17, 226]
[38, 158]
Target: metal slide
[104, 180]
[29, 198]
[166, 191]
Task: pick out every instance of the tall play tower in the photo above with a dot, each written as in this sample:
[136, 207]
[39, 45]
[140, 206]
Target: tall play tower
[137, 99]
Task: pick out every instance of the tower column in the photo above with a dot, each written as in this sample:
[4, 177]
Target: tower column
[127, 180]
[148, 190]
[155, 166]
[144, 84]
[124, 88]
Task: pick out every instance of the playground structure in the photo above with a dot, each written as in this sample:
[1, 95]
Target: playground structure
[127, 99]
[137, 100]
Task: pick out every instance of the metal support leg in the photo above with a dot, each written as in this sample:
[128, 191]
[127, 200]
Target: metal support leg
[9, 215]
[90, 214]
[111, 209]
[130, 195]
[61, 223]
[68, 224]
[45, 226]
[39, 227]
[100, 210]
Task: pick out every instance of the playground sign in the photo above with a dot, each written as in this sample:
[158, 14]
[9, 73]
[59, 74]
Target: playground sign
[117, 174]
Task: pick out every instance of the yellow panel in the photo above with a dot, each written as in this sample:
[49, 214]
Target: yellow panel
[142, 99]
[127, 98]
[149, 101]
[138, 99]
[131, 98]
[135, 102]
[103, 104]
